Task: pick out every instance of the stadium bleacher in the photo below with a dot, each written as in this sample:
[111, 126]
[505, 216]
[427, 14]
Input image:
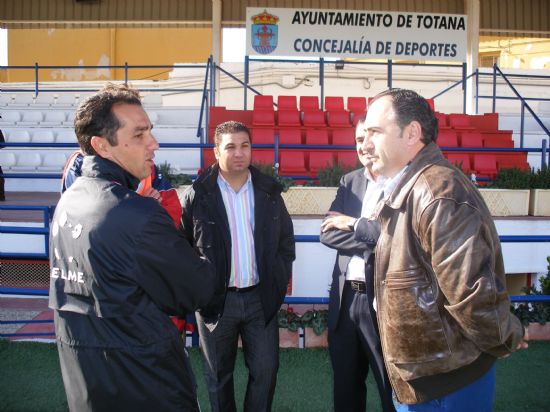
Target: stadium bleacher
[335, 126]
[49, 118]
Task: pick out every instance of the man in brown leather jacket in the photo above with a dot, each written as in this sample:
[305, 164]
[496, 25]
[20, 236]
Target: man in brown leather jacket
[442, 306]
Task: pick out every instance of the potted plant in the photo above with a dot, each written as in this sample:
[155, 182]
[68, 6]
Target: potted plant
[508, 194]
[299, 200]
[178, 181]
[539, 202]
[316, 197]
[313, 322]
[330, 176]
[289, 324]
[270, 170]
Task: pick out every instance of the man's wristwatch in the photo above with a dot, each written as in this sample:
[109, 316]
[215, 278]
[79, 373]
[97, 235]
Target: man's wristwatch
[351, 223]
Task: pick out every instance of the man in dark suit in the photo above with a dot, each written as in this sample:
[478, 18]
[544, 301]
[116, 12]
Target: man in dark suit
[354, 343]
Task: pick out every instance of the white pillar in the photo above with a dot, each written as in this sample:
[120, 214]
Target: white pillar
[472, 11]
[217, 40]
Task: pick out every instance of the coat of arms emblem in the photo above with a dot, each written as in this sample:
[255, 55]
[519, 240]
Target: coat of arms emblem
[264, 32]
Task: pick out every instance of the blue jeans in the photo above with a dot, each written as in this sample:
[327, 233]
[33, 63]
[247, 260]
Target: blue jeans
[477, 396]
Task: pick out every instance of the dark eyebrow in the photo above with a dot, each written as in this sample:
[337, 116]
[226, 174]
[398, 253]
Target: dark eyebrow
[142, 128]
[373, 128]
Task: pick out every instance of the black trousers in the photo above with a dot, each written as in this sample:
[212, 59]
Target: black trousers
[243, 316]
[355, 349]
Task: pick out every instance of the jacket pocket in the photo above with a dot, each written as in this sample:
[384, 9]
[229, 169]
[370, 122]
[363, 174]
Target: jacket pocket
[204, 234]
[414, 330]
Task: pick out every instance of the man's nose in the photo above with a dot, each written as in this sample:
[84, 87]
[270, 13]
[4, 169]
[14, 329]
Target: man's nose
[367, 143]
[154, 144]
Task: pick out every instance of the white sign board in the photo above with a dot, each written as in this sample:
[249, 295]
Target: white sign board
[312, 33]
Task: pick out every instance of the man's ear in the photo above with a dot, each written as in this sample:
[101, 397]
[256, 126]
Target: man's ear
[414, 133]
[101, 146]
[216, 152]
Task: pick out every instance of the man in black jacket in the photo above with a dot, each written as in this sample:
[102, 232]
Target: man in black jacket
[354, 342]
[119, 267]
[235, 216]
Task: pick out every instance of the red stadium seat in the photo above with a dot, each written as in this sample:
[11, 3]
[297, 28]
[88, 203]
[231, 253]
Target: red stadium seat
[461, 160]
[263, 136]
[263, 156]
[485, 122]
[292, 162]
[441, 120]
[320, 160]
[287, 103]
[334, 103]
[208, 157]
[459, 121]
[485, 165]
[347, 159]
[338, 118]
[357, 104]
[290, 136]
[288, 118]
[263, 102]
[513, 160]
[343, 137]
[263, 117]
[216, 115]
[308, 103]
[447, 138]
[317, 136]
[470, 138]
[314, 118]
[492, 139]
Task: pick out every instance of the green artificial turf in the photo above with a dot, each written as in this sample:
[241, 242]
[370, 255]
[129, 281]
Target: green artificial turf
[30, 380]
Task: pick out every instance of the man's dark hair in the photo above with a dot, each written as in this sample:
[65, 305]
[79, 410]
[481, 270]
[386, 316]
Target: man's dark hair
[230, 126]
[409, 106]
[95, 117]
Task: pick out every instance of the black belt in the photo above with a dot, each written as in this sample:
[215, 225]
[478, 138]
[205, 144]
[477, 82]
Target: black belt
[241, 290]
[357, 285]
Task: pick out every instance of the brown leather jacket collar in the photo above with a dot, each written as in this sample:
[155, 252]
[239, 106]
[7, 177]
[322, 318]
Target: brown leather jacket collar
[426, 158]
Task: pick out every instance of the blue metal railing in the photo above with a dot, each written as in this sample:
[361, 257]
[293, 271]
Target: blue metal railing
[204, 103]
[494, 96]
[524, 104]
[545, 153]
[47, 213]
[390, 65]
[126, 67]
[288, 299]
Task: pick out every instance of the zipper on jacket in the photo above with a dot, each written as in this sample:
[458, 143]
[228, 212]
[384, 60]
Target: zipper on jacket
[378, 317]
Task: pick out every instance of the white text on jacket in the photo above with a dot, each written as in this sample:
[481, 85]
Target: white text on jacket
[70, 275]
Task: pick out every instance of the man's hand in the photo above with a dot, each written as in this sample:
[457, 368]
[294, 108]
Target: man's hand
[153, 193]
[335, 220]
[523, 344]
